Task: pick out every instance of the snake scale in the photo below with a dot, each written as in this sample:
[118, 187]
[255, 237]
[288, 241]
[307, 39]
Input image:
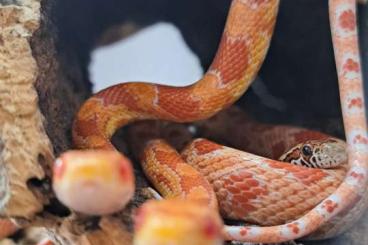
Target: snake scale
[101, 180]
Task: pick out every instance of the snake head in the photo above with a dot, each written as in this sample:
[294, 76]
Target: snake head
[93, 182]
[321, 153]
[177, 222]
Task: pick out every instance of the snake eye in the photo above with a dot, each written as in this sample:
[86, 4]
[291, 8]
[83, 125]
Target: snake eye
[307, 150]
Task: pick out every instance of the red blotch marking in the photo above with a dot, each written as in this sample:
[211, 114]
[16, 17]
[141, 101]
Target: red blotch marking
[305, 175]
[178, 102]
[251, 194]
[351, 65]
[227, 181]
[120, 94]
[303, 136]
[347, 20]
[59, 168]
[329, 205]
[240, 198]
[356, 102]
[360, 139]
[244, 189]
[85, 128]
[234, 190]
[46, 242]
[203, 147]
[242, 186]
[236, 178]
[231, 60]
[357, 176]
[294, 227]
[244, 231]
[278, 149]
[252, 182]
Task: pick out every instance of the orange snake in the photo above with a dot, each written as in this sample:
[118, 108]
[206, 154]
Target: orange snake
[102, 181]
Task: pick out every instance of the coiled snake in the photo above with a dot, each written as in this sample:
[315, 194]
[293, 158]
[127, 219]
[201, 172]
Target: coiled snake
[101, 181]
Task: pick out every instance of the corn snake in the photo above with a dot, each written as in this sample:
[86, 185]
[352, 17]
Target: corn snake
[240, 55]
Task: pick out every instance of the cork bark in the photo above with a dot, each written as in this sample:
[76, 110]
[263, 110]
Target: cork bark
[23, 139]
[42, 82]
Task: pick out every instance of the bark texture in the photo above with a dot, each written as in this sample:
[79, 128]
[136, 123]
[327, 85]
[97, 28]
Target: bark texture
[23, 139]
[42, 83]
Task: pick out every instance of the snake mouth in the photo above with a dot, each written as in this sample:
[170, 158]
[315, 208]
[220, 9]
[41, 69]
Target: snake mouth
[94, 197]
[335, 153]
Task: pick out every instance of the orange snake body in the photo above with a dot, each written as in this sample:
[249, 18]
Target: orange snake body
[248, 185]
